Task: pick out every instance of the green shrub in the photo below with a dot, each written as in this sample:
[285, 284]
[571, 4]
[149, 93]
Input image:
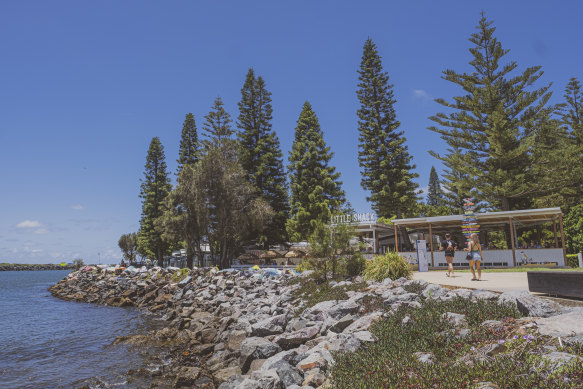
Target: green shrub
[572, 260]
[355, 265]
[390, 265]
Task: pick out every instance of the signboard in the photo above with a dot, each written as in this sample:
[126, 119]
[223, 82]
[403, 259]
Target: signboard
[469, 221]
[422, 255]
[356, 218]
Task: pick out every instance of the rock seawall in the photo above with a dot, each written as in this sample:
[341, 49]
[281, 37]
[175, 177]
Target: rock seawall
[237, 329]
[34, 267]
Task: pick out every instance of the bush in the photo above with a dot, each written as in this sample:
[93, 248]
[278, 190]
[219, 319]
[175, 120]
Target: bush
[574, 230]
[355, 265]
[390, 265]
[572, 260]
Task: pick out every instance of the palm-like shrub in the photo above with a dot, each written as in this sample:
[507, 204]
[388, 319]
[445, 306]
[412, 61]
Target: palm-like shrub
[390, 265]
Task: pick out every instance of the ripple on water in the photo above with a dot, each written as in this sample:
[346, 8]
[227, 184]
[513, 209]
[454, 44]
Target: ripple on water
[50, 343]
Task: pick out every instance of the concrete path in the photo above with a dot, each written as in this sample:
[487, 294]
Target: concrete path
[497, 282]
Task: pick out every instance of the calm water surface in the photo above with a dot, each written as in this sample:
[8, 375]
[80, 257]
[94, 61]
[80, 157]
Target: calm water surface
[49, 343]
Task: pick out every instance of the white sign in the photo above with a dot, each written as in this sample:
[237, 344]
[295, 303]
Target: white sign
[422, 255]
[356, 218]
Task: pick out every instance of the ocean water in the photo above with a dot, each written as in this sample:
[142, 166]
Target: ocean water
[50, 343]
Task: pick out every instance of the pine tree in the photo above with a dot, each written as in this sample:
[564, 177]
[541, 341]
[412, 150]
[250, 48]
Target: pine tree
[260, 154]
[316, 191]
[435, 195]
[154, 189]
[489, 125]
[188, 151]
[383, 156]
[572, 113]
[217, 127]
[457, 183]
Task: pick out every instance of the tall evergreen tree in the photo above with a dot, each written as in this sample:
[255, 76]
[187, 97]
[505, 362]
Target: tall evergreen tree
[457, 182]
[572, 114]
[384, 159]
[154, 189]
[316, 192]
[217, 127]
[489, 125]
[435, 195]
[189, 145]
[260, 154]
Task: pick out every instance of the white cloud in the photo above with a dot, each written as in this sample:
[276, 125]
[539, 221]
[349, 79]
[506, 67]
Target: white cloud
[421, 94]
[77, 207]
[29, 224]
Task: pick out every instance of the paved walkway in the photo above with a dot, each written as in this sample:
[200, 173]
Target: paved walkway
[497, 282]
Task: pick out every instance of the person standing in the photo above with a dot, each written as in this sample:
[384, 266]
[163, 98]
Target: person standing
[475, 250]
[449, 246]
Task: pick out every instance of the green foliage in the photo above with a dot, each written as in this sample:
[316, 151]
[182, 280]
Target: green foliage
[154, 189]
[389, 265]
[386, 164]
[390, 363]
[260, 155]
[435, 195]
[572, 111]
[189, 145]
[213, 199]
[330, 245]
[573, 226]
[492, 129]
[497, 240]
[316, 191]
[573, 260]
[355, 264]
[128, 243]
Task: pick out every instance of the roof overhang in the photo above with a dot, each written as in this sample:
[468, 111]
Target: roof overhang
[488, 220]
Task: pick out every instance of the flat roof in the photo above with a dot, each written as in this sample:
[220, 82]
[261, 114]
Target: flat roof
[525, 217]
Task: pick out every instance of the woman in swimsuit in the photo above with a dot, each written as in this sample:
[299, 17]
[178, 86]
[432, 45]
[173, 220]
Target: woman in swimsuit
[475, 249]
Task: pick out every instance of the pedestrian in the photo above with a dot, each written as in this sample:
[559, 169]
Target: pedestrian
[449, 246]
[475, 250]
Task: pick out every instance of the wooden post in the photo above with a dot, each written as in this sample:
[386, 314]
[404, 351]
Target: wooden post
[512, 239]
[431, 244]
[563, 239]
[555, 233]
[396, 240]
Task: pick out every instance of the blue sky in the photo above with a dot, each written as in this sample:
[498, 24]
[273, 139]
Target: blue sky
[84, 86]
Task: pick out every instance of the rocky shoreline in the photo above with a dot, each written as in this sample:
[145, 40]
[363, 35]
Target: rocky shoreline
[34, 267]
[236, 329]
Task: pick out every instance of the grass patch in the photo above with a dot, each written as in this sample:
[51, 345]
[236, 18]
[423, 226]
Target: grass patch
[390, 363]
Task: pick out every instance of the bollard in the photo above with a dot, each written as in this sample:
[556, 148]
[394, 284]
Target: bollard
[580, 258]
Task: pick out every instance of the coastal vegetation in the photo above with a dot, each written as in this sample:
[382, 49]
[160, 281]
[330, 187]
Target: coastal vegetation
[507, 145]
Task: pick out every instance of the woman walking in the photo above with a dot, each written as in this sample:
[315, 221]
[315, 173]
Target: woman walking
[475, 250]
[449, 246]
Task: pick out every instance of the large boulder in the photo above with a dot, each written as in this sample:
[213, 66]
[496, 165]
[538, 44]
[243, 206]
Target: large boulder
[568, 326]
[271, 326]
[256, 348]
[287, 373]
[296, 338]
[363, 323]
[537, 307]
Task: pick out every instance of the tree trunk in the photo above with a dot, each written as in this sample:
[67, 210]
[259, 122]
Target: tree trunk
[505, 204]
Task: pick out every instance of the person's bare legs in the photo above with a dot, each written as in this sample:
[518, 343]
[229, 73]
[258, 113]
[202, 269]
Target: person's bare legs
[479, 270]
[450, 267]
[472, 269]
